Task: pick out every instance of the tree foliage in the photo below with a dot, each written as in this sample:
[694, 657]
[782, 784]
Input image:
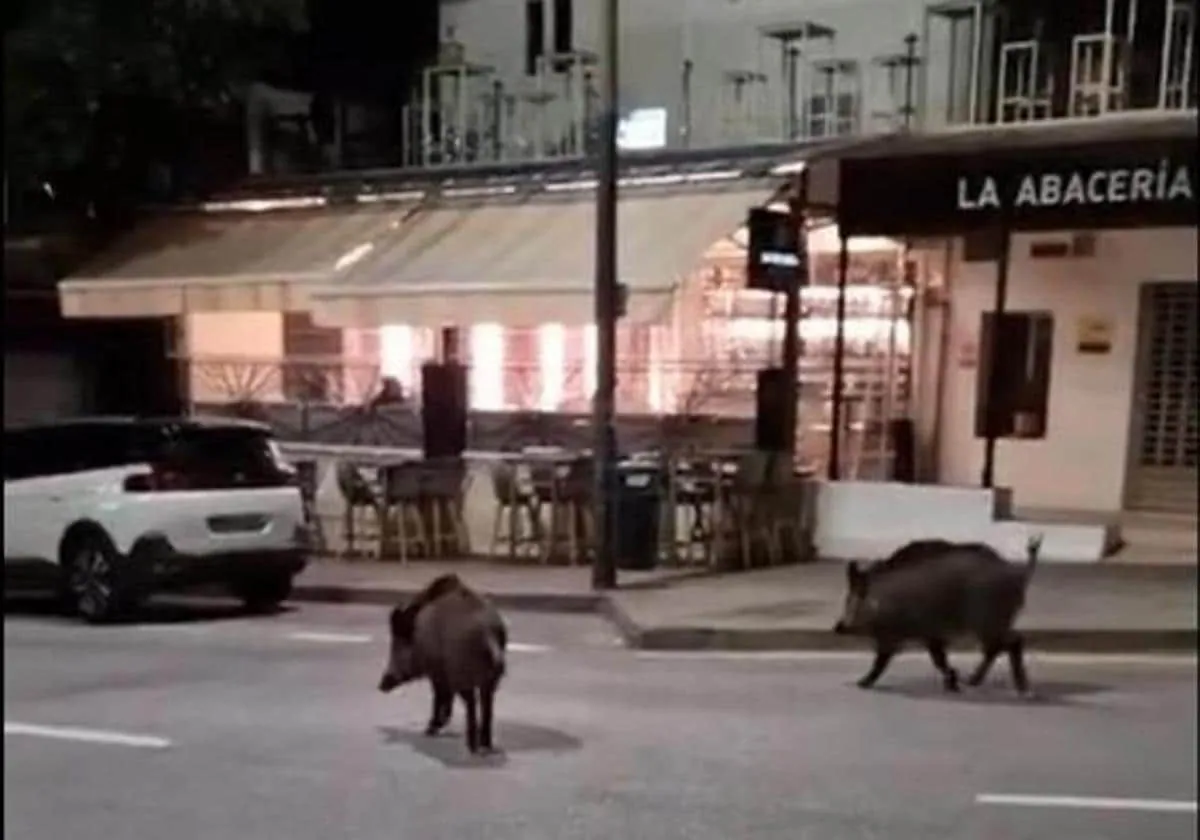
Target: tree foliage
[98, 90]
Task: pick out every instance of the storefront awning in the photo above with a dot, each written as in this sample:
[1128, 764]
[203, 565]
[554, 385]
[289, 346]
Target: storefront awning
[531, 261]
[225, 261]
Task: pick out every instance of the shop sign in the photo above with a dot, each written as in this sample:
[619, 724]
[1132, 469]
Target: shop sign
[1108, 185]
[1166, 182]
[776, 256]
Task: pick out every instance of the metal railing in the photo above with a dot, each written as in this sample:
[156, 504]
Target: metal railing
[705, 403]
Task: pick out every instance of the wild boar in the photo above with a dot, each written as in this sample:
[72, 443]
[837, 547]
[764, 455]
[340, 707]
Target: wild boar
[933, 591]
[456, 639]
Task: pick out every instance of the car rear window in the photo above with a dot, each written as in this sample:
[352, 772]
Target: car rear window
[223, 456]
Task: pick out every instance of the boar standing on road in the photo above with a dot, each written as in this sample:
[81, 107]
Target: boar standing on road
[455, 638]
[934, 591]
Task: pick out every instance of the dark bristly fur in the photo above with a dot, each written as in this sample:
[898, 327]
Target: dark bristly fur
[456, 639]
[934, 591]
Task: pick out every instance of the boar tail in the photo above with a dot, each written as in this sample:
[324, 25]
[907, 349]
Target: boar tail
[1033, 548]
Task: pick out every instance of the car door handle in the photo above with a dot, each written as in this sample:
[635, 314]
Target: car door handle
[56, 498]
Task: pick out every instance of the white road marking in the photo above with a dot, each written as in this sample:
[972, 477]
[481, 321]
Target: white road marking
[91, 736]
[330, 638]
[1175, 806]
[518, 647]
[363, 638]
[1168, 660]
[751, 655]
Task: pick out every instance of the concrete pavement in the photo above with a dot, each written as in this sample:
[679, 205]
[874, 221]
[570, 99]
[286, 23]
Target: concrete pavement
[1097, 608]
[197, 722]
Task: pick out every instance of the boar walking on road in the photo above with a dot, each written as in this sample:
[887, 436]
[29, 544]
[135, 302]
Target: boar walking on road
[933, 592]
[456, 639]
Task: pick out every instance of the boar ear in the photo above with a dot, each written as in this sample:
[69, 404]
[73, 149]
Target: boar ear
[401, 621]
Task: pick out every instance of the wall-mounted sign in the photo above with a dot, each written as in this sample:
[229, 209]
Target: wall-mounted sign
[642, 129]
[1094, 335]
[776, 255]
[1104, 184]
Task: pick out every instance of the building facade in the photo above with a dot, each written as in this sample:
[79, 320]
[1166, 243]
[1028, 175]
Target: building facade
[313, 290]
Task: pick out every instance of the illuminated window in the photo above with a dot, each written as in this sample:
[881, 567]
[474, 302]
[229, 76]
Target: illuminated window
[552, 362]
[487, 368]
[397, 354]
[589, 361]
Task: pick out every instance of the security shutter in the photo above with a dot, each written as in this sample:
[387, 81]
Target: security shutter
[39, 387]
[1163, 472]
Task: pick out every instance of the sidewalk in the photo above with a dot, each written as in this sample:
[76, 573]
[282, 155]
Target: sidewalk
[1093, 608]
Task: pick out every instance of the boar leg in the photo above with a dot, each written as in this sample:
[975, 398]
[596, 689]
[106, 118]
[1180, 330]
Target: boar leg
[468, 698]
[443, 707]
[1016, 663]
[937, 653]
[883, 658]
[487, 697]
[991, 650]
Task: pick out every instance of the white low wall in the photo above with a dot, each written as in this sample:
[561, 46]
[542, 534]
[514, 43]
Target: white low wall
[855, 520]
[860, 520]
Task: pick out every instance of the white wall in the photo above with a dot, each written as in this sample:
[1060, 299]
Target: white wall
[723, 35]
[215, 340]
[1081, 463]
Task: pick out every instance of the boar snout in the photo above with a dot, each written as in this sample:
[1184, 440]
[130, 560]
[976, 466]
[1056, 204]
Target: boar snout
[388, 682]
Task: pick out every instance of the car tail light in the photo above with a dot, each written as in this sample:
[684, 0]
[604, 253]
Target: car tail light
[157, 480]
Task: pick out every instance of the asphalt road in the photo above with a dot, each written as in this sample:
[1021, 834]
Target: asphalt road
[203, 725]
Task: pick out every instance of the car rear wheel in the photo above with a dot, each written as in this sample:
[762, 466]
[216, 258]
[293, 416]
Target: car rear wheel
[263, 593]
[95, 586]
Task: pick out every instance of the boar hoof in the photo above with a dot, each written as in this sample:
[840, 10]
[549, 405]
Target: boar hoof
[950, 682]
[865, 682]
[434, 729]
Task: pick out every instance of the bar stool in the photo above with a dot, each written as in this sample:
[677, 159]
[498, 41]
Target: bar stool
[513, 500]
[404, 527]
[544, 483]
[571, 523]
[443, 485]
[360, 500]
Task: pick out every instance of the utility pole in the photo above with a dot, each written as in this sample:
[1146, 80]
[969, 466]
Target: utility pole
[797, 208]
[604, 569]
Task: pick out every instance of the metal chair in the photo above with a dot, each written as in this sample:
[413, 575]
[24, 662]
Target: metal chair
[696, 493]
[754, 503]
[513, 500]
[360, 499]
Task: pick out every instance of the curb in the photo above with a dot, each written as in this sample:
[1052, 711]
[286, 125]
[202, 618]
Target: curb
[549, 602]
[683, 638]
[1045, 641]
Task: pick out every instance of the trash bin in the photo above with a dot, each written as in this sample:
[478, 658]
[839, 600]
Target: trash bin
[639, 495]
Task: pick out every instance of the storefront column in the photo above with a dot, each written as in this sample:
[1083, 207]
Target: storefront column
[993, 411]
[837, 410]
[451, 345]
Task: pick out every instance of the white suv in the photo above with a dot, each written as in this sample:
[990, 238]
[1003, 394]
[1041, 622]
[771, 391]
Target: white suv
[115, 508]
